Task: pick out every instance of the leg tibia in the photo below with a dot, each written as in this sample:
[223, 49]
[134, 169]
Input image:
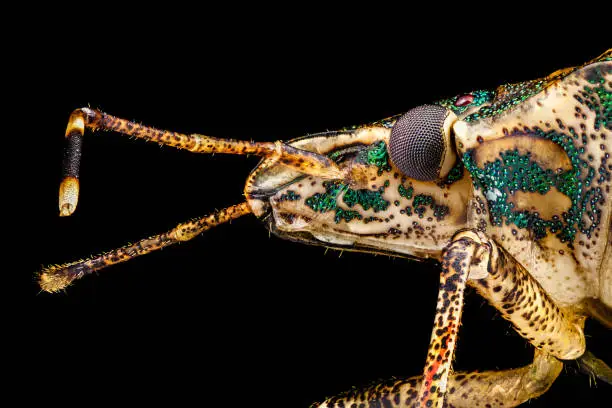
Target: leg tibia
[456, 261]
[506, 388]
[521, 300]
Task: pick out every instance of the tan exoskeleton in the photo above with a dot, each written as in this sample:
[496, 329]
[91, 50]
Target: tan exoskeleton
[509, 189]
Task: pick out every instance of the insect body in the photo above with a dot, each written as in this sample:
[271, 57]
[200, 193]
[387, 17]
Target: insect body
[509, 189]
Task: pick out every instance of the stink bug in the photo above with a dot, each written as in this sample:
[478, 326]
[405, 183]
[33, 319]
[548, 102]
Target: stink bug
[506, 188]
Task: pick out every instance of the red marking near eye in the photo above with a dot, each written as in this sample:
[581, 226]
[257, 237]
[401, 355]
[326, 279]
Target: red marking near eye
[464, 100]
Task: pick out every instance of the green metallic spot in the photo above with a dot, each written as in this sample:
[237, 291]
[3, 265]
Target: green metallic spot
[346, 215]
[328, 201]
[376, 154]
[514, 172]
[366, 198]
[420, 204]
[510, 96]
[598, 98]
[454, 175]
[289, 196]
[336, 155]
[405, 192]
[422, 199]
[440, 211]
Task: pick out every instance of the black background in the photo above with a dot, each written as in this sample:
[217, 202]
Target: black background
[236, 316]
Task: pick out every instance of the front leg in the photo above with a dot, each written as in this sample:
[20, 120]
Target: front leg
[456, 261]
[475, 259]
[472, 258]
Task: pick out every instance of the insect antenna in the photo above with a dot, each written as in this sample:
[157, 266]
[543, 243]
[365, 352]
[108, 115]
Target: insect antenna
[56, 277]
[307, 162]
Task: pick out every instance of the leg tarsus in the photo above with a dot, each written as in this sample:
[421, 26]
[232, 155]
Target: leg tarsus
[594, 367]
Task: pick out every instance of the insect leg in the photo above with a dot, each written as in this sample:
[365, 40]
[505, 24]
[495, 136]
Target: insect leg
[510, 289]
[504, 388]
[456, 261]
[594, 367]
[57, 277]
[300, 160]
[520, 299]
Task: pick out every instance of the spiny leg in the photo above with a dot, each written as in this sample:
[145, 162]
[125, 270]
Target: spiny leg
[504, 388]
[304, 161]
[519, 298]
[509, 288]
[55, 278]
[456, 260]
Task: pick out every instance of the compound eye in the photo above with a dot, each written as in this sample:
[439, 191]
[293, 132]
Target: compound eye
[420, 143]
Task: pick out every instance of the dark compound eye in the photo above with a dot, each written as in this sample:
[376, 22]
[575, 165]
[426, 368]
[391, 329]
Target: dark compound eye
[420, 144]
[464, 100]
